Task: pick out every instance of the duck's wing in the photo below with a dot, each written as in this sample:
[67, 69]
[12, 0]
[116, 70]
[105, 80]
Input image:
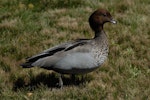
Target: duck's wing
[59, 50]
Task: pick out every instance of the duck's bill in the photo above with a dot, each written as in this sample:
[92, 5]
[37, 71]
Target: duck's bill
[113, 21]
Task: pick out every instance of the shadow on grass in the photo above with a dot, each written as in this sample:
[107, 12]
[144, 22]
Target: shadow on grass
[49, 80]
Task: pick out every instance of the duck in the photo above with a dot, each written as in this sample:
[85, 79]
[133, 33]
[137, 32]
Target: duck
[79, 56]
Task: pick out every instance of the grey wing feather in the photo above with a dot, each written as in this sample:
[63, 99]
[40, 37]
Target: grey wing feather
[59, 49]
[48, 52]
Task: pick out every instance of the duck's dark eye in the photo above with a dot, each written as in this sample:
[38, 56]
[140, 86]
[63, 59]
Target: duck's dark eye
[104, 15]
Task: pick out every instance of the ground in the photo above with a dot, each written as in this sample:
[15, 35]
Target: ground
[28, 27]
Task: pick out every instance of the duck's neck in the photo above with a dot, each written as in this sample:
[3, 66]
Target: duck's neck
[101, 38]
[99, 32]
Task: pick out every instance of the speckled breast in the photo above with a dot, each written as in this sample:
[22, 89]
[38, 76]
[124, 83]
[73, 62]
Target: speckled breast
[100, 54]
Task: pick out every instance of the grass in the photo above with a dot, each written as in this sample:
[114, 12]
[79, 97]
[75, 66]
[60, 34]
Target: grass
[29, 26]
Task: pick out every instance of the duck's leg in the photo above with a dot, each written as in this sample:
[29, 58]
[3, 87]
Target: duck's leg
[60, 81]
[83, 78]
[73, 78]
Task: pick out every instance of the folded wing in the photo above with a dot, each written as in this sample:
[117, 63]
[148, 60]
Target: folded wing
[48, 58]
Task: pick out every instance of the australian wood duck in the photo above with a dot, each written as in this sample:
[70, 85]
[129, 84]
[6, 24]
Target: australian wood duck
[76, 57]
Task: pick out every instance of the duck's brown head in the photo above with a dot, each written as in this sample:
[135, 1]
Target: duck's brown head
[98, 18]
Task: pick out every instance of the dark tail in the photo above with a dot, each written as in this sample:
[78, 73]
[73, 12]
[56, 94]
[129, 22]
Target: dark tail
[27, 65]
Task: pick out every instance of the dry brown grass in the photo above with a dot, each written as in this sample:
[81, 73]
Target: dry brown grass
[27, 27]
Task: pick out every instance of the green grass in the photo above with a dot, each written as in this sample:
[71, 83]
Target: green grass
[28, 27]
